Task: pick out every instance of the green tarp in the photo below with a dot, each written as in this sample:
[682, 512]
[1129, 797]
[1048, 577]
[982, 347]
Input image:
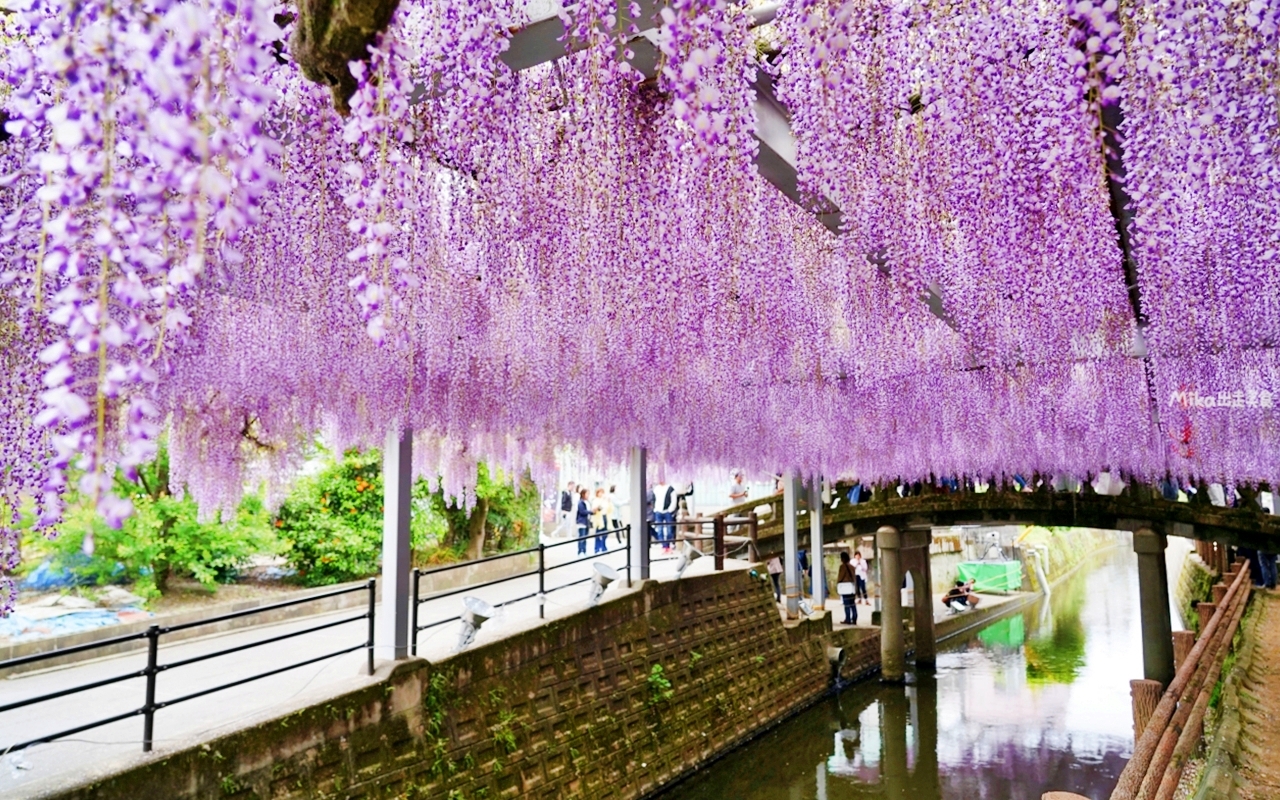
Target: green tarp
[992, 576]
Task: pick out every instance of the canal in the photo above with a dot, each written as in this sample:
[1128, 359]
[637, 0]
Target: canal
[1030, 703]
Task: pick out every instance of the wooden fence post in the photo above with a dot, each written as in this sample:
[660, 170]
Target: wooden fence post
[1183, 641]
[1146, 696]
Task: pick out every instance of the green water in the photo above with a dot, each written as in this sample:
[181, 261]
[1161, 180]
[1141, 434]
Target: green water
[1031, 703]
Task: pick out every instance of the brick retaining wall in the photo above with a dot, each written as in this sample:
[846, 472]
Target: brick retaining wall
[568, 709]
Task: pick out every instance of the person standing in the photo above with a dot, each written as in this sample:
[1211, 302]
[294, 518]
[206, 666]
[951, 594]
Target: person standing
[615, 512]
[583, 518]
[860, 577]
[774, 568]
[846, 587]
[567, 496]
[1268, 563]
[737, 489]
[664, 514]
[600, 513]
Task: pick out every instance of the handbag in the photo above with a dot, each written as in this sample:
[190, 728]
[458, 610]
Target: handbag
[844, 587]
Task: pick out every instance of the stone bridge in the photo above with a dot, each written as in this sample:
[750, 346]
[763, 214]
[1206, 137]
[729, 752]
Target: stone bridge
[1138, 507]
[902, 525]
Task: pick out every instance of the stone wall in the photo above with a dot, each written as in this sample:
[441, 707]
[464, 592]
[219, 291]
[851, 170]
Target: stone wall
[615, 701]
[1068, 549]
[1194, 584]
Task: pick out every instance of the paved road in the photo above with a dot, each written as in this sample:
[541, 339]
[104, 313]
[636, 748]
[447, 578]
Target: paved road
[78, 756]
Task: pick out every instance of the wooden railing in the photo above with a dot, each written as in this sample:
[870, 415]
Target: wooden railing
[1176, 723]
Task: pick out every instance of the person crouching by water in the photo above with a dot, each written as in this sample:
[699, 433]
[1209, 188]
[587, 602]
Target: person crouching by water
[846, 586]
[960, 597]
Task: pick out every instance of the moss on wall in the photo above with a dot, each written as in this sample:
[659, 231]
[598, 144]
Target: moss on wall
[1195, 584]
[569, 709]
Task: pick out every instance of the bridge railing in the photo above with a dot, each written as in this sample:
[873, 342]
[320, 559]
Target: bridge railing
[1175, 726]
[722, 536]
[153, 668]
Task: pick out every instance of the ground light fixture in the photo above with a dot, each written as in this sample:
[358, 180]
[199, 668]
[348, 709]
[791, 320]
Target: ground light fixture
[601, 576]
[475, 612]
[688, 554]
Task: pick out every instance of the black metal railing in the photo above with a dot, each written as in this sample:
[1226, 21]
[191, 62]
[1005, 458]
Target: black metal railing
[153, 669]
[541, 571]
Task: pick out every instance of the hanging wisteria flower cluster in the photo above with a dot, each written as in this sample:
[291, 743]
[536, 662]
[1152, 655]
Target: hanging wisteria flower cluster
[583, 253]
[143, 126]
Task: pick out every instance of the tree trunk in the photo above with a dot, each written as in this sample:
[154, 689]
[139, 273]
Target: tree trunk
[476, 529]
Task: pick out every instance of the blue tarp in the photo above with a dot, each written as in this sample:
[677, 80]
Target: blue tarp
[47, 577]
[21, 627]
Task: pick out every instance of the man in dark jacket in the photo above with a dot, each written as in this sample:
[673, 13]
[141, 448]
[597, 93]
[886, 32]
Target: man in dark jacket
[567, 497]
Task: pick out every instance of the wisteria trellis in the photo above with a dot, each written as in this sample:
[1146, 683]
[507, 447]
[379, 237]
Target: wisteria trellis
[575, 255]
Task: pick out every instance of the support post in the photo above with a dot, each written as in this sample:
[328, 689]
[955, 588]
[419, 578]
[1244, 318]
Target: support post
[753, 530]
[1153, 594]
[639, 486]
[1205, 612]
[1183, 641]
[397, 482]
[892, 655]
[1146, 696]
[926, 644]
[149, 707]
[790, 543]
[1219, 592]
[818, 583]
[717, 541]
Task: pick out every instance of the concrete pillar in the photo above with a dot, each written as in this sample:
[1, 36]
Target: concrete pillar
[1153, 594]
[892, 655]
[790, 544]
[391, 639]
[926, 643]
[638, 484]
[818, 585]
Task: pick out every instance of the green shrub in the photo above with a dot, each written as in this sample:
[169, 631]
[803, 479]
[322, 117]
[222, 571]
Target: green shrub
[331, 523]
[164, 537]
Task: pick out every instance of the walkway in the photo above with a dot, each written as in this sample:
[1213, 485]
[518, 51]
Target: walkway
[103, 750]
[835, 607]
[1258, 769]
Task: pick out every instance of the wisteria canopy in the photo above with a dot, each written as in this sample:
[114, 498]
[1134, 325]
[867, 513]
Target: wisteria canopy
[195, 234]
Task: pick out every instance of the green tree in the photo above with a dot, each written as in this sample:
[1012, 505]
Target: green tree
[331, 523]
[504, 516]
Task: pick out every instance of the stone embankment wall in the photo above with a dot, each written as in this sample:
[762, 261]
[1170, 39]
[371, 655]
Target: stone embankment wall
[1195, 583]
[1239, 734]
[1068, 549]
[615, 701]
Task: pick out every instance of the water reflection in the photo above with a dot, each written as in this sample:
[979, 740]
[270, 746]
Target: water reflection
[1034, 702]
